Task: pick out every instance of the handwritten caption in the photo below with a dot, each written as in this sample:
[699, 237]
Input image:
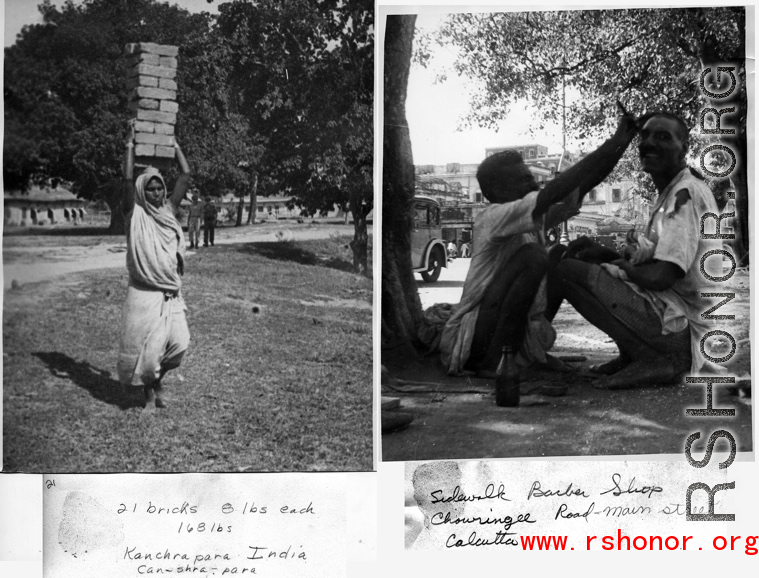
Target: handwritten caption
[202, 524]
[457, 505]
[502, 524]
[217, 523]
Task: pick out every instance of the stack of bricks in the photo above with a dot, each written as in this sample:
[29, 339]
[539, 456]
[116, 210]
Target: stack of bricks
[153, 99]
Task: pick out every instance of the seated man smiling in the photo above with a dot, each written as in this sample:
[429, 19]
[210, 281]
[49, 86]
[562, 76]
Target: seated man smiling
[650, 305]
[503, 299]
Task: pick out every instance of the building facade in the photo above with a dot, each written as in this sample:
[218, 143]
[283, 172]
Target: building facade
[453, 182]
[42, 206]
[456, 184]
[620, 200]
[536, 155]
[267, 208]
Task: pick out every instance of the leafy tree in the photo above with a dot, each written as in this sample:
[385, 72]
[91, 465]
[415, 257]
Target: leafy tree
[273, 95]
[650, 59]
[303, 78]
[65, 100]
[341, 112]
[221, 146]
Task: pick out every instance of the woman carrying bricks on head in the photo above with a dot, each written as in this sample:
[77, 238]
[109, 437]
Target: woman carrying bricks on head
[154, 333]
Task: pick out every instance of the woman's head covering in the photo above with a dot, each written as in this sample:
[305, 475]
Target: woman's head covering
[155, 241]
[142, 182]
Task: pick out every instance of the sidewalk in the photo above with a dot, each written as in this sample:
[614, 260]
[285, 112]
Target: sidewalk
[456, 417]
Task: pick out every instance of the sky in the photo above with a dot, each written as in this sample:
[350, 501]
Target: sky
[17, 14]
[434, 112]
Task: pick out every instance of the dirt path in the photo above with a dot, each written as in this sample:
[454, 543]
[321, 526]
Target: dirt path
[30, 259]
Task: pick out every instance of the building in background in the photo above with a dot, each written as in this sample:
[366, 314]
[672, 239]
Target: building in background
[457, 182]
[542, 164]
[272, 208]
[42, 206]
[451, 183]
[620, 200]
[455, 186]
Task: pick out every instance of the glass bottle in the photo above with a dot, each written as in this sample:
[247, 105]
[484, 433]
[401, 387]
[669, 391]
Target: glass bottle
[507, 380]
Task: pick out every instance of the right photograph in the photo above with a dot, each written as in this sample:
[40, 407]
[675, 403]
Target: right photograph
[565, 233]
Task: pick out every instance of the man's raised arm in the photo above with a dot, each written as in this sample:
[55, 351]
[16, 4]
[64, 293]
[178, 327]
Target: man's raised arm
[590, 171]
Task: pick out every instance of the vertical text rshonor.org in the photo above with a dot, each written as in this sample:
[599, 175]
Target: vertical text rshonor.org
[709, 411]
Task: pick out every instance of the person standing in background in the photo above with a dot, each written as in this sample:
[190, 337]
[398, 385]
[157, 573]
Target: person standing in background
[193, 220]
[210, 212]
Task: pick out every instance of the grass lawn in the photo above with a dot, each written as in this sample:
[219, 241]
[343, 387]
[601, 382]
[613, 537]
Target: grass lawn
[278, 376]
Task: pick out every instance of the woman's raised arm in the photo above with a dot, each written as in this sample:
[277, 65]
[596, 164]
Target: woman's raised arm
[127, 187]
[183, 181]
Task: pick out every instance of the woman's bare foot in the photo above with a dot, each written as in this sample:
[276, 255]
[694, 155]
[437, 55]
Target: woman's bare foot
[149, 400]
[160, 402]
[158, 398]
[612, 366]
[639, 373]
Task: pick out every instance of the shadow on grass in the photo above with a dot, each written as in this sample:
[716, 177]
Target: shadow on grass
[286, 251]
[96, 381]
[58, 232]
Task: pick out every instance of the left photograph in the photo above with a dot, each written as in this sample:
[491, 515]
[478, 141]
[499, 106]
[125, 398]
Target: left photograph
[188, 236]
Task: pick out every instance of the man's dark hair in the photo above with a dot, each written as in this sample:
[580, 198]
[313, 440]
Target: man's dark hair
[683, 132]
[491, 172]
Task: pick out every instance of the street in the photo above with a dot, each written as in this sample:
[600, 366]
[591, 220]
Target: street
[448, 287]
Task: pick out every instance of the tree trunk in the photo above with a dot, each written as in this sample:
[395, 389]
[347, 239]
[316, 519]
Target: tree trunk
[116, 226]
[253, 201]
[401, 307]
[360, 243]
[240, 210]
[111, 194]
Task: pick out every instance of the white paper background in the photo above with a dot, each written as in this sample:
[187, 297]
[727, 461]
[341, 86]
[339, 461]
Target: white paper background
[21, 521]
[84, 534]
[447, 502]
